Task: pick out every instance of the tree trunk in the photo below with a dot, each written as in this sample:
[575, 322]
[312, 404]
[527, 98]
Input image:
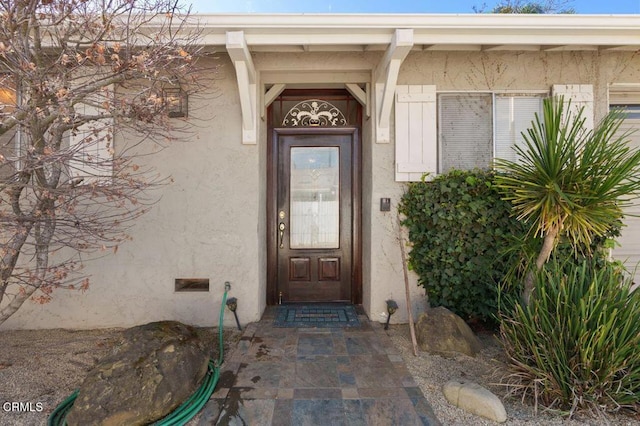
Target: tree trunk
[547, 247]
[10, 258]
[43, 233]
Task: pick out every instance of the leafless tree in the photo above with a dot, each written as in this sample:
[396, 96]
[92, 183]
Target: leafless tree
[85, 87]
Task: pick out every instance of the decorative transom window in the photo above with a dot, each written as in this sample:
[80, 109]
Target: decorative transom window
[314, 113]
[302, 109]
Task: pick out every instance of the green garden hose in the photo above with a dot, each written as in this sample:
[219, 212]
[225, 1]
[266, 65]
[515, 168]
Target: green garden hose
[189, 408]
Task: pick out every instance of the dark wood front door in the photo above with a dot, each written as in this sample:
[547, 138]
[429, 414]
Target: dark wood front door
[314, 214]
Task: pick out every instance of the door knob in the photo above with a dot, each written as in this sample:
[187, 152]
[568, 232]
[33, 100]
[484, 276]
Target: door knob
[282, 227]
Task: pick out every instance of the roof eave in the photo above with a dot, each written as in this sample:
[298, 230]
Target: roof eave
[279, 32]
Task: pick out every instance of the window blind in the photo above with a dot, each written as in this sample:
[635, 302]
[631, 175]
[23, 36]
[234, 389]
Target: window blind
[513, 116]
[465, 130]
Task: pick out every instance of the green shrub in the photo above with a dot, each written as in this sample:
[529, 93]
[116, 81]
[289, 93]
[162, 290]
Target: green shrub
[577, 345]
[459, 227]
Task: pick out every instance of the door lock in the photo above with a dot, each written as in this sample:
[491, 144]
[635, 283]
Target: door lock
[282, 227]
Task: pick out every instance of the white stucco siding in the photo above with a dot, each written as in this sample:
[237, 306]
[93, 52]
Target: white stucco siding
[211, 223]
[385, 259]
[203, 226]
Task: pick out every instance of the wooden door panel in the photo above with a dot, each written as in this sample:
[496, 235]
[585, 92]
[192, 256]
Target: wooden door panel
[314, 206]
[329, 269]
[299, 269]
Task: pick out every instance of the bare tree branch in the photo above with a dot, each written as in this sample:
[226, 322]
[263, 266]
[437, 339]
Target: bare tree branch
[88, 80]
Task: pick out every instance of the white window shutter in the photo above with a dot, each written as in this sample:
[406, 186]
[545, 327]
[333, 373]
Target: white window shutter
[416, 135]
[93, 142]
[581, 95]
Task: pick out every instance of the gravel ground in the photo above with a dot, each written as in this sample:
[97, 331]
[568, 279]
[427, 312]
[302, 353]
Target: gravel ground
[40, 368]
[433, 371]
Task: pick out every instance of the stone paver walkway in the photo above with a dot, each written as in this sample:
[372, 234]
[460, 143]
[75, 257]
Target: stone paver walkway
[316, 376]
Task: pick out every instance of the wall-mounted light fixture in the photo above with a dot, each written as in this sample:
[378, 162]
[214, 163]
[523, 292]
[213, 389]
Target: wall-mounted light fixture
[177, 102]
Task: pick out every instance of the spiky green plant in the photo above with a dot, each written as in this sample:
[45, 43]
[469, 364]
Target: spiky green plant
[567, 181]
[577, 344]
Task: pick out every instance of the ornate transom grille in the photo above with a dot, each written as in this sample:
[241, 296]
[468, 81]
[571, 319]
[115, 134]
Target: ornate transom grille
[314, 113]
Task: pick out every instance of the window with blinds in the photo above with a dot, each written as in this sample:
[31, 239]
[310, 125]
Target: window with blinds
[513, 116]
[465, 131]
[475, 128]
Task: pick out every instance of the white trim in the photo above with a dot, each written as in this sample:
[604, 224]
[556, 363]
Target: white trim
[246, 75]
[271, 95]
[328, 76]
[360, 95]
[623, 94]
[362, 32]
[385, 77]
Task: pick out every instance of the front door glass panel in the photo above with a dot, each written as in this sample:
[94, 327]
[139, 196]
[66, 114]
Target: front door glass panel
[315, 198]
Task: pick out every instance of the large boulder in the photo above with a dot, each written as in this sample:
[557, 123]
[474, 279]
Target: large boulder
[154, 369]
[440, 331]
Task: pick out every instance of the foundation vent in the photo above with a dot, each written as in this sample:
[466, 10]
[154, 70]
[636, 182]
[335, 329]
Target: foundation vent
[183, 285]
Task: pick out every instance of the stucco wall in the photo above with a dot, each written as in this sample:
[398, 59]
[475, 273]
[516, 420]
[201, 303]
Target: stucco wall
[469, 71]
[203, 226]
[210, 222]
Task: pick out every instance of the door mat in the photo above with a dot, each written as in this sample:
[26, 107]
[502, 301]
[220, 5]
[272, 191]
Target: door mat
[316, 316]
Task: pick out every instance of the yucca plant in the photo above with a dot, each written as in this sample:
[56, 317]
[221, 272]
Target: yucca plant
[577, 344]
[568, 181]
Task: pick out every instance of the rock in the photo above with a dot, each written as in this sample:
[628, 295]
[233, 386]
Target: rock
[441, 331]
[155, 368]
[475, 399]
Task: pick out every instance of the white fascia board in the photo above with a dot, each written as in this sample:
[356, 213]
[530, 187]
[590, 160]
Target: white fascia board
[474, 29]
[416, 21]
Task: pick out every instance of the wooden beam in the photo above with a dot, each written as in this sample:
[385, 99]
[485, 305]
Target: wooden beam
[386, 77]
[360, 95]
[246, 75]
[573, 47]
[511, 47]
[239, 52]
[271, 96]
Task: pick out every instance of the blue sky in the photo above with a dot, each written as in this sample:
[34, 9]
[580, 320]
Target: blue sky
[390, 6]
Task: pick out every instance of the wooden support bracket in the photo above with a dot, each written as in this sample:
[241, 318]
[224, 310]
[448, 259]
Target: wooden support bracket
[247, 83]
[386, 78]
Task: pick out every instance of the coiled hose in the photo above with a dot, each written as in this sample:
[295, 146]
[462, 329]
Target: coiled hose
[188, 409]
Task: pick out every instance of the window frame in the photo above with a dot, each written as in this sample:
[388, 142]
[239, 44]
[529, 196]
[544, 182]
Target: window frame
[542, 94]
[21, 143]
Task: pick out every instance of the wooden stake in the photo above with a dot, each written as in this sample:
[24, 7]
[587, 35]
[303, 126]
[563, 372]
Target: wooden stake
[405, 271]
